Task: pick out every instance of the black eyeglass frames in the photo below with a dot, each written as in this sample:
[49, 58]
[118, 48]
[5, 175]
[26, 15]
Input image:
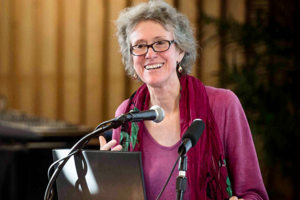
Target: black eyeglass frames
[159, 46]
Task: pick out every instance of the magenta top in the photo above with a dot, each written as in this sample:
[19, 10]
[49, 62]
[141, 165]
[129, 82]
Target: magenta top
[243, 167]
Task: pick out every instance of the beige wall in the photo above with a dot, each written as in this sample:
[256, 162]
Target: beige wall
[60, 58]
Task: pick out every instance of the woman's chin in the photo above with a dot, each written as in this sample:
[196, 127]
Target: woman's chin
[157, 80]
[154, 82]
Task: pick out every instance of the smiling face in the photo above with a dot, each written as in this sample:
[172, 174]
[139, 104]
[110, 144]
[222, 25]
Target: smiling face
[155, 68]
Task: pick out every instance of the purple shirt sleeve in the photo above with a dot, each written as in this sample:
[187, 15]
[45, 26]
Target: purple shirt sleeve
[242, 162]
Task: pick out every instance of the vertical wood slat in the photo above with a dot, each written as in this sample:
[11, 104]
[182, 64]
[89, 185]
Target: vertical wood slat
[170, 2]
[71, 73]
[94, 65]
[13, 75]
[60, 59]
[48, 57]
[210, 52]
[236, 9]
[134, 85]
[116, 73]
[189, 8]
[38, 16]
[105, 53]
[5, 48]
[24, 57]
[83, 71]
[135, 2]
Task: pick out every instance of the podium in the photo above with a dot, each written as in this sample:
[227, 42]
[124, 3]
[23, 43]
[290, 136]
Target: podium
[95, 175]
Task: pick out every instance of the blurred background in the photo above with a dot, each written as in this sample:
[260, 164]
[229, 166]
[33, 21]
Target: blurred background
[60, 60]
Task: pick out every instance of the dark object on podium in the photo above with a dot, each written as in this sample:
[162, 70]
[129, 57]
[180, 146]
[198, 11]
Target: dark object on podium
[25, 152]
[101, 175]
[19, 126]
[23, 172]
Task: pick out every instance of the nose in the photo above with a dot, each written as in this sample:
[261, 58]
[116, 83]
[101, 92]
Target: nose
[151, 53]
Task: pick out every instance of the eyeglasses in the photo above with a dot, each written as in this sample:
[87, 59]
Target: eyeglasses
[159, 46]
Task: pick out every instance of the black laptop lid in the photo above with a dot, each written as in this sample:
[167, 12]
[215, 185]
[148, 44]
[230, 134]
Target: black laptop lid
[92, 175]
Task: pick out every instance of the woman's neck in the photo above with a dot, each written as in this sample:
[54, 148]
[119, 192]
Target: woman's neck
[166, 96]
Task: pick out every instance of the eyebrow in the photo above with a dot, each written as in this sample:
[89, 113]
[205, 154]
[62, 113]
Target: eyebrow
[154, 39]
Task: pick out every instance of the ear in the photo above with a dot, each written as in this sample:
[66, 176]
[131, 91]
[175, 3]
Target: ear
[180, 55]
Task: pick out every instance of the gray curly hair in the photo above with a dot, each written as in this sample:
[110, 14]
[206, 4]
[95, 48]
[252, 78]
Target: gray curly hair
[169, 18]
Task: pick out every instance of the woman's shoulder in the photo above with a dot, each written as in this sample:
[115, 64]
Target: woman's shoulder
[221, 97]
[122, 108]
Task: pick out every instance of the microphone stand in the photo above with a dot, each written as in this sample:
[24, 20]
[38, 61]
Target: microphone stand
[114, 123]
[181, 180]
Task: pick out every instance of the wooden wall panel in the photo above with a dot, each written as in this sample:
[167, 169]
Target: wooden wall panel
[134, 85]
[24, 54]
[94, 62]
[37, 20]
[236, 9]
[5, 48]
[210, 51]
[71, 73]
[135, 2]
[48, 57]
[60, 58]
[171, 2]
[116, 74]
[189, 8]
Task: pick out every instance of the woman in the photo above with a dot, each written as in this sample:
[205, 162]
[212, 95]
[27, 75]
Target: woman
[159, 49]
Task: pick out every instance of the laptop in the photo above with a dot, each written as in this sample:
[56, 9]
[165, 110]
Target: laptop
[93, 174]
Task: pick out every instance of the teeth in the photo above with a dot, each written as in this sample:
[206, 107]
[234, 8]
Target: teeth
[153, 66]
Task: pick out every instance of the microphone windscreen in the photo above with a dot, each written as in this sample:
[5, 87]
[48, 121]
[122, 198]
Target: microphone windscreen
[195, 131]
[160, 113]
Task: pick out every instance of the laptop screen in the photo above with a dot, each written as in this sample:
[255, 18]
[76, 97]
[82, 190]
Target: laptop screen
[93, 174]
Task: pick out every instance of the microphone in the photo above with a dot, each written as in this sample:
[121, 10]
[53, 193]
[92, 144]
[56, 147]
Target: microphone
[189, 139]
[191, 136]
[155, 113]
